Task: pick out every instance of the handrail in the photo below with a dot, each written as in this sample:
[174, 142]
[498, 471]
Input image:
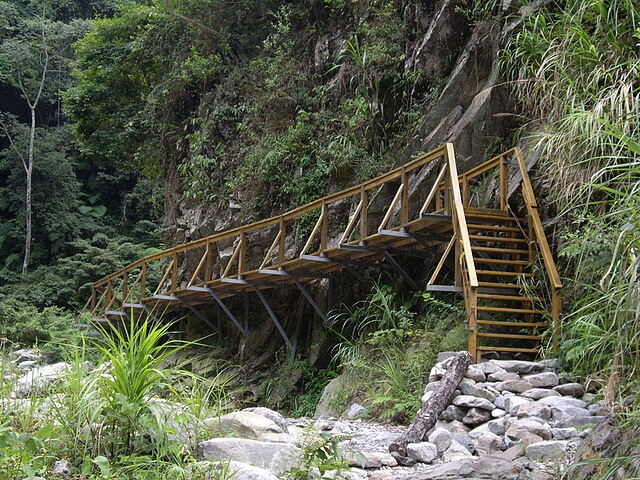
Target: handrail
[461, 220]
[240, 234]
[532, 210]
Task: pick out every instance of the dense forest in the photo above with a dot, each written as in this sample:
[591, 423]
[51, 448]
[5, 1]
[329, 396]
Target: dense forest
[127, 126]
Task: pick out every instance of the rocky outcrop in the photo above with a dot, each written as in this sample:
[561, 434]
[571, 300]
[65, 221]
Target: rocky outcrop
[508, 420]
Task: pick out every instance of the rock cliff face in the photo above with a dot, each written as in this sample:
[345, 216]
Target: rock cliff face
[376, 84]
[421, 73]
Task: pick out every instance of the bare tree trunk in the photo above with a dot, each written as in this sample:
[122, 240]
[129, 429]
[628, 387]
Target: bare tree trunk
[440, 399]
[28, 168]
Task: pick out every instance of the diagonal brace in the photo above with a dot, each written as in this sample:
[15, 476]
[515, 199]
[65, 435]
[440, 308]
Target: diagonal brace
[222, 305]
[396, 266]
[274, 319]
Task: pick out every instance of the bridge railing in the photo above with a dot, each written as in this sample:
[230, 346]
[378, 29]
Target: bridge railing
[385, 205]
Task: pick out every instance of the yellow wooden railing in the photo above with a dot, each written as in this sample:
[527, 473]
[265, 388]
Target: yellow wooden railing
[382, 211]
[222, 258]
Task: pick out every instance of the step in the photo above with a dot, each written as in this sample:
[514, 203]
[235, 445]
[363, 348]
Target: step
[505, 251]
[494, 348]
[513, 336]
[502, 273]
[511, 310]
[511, 298]
[493, 228]
[507, 285]
[494, 217]
[499, 323]
[494, 239]
[501, 261]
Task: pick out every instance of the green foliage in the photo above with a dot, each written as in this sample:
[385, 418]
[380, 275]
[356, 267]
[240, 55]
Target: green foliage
[26, 325]
[313, 383]
[388, 344]
[322, 456]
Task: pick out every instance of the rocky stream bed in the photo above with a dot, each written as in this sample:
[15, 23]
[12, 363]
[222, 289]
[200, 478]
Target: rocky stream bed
[508, 419]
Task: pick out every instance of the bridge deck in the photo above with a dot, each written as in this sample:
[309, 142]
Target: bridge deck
[423, 208]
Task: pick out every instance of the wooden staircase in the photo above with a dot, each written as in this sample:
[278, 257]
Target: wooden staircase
[502, 262]
[511, 313]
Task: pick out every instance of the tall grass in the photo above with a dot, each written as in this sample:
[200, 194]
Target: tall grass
[575, 67]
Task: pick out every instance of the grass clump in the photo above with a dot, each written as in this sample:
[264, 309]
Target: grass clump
[388, 345]
[125, 418]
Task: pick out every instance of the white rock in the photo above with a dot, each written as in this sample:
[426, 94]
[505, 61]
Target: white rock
[542, 380]
[455, 452]
[423, 452]
[277, 458]
[488, 443]
[562, 401]
[475, 374]
[518, 366]
[538, 393]
[534, 409]
[468, 401]
[519, 428]
[512, 404]
[564, 433]
[545, 451]
[441, 438]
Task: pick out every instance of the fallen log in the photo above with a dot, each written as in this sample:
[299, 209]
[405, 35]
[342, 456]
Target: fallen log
[434, 406]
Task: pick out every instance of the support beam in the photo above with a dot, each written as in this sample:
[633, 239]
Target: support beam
[274, 319]
[226, 310]
[396, 266]
[193, 310]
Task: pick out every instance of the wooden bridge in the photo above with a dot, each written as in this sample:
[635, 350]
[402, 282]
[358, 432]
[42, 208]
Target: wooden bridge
[503, 264]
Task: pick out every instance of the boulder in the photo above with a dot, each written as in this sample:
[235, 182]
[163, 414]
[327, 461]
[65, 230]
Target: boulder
[423, 452]
[512, 404]
[369, 459]
[562, 402]
[246, 424]
[476, 416]
[475, 391]
[230, 469]
[441, 438]
[475, 374]
[538, 393]
[542, 380]
[455, 452]
[488, 443]
[468, 401]
[502, 376]
[452, 413]
[272, 415]
[573, 389]
[38, 379]
[520, 427]
[563, 433]
[515, 386]
[546, 451]
[519, 366]
[534, 409]
[277, 458]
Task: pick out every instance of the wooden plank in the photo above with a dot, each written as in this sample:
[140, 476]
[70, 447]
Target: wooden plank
[513, 336]
[515, 324]
[511, 310]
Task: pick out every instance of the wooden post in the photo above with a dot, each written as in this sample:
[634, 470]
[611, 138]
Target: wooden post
[503, 183]
[282, 246]
[174, 272]
[324, 232]
[404, 201]
[241, 254]
[472, 322]
[434, 406]
[364, 218]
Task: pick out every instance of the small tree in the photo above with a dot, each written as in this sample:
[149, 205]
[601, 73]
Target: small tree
[32, 50]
